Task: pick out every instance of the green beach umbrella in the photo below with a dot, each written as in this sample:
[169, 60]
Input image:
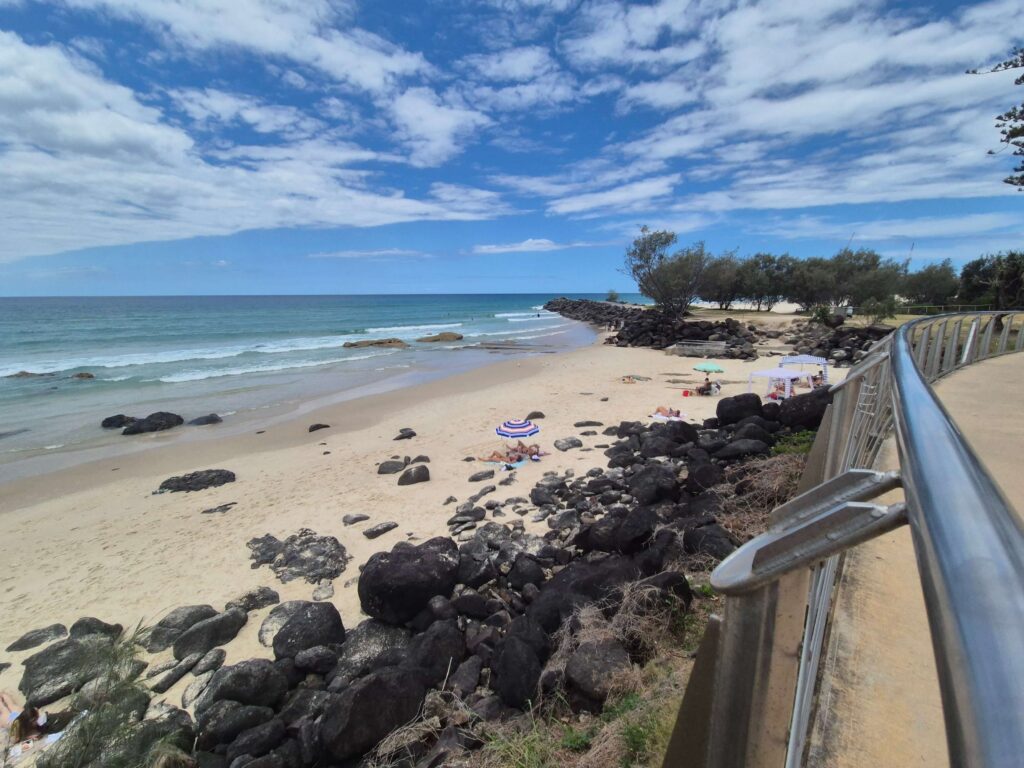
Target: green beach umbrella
[709, 368]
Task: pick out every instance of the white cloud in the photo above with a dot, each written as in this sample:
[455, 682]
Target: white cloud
[512, 64]
[300, 30]
[921, 228]
[84, 163]
[209, 107]
[617, 34]
[432, 129]
[660, 94]
[533, 245]
[622, 198]
[367, 254]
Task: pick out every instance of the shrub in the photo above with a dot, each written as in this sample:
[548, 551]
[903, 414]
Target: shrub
[798, 442]
[878, 310]
[612, 296]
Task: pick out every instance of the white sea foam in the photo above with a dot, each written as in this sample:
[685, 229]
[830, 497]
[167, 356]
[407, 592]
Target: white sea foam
[183, 355]
[217, 373]
[403, 328]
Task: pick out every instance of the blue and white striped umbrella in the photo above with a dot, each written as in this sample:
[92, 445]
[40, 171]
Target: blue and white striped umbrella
[517, 428]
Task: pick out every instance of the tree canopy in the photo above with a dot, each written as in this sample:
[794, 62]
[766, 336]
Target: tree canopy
[1011, 122]
[859, 278]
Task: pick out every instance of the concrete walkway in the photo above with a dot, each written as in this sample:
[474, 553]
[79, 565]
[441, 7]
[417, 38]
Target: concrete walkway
[879, 704]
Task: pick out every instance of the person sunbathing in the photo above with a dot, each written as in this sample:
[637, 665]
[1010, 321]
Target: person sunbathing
[532, 451]
[27, 725]
[670, 413]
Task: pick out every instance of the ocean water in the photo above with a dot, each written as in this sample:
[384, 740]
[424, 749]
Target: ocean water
[236, 355]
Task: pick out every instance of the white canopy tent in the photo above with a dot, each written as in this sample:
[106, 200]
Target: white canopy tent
[803, 360]
[777, 376]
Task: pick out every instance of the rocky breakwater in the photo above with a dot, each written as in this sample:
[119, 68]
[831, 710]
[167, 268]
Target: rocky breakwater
[653, 328]
[842, 344]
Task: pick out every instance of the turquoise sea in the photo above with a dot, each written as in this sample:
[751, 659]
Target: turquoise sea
[236, 355]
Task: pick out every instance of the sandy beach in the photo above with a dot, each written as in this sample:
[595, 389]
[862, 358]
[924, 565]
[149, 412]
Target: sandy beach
[93, 540]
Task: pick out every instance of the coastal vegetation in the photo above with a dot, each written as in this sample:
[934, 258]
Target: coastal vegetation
[858, 278]
[1011, 122]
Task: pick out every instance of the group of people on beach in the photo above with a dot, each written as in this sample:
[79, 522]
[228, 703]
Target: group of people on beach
[515, 454]
[709, 387]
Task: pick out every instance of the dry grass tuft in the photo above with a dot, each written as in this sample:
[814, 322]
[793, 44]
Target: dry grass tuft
[764, 485]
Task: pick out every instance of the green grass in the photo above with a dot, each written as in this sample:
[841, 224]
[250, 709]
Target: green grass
[578, 741]
[798, 442]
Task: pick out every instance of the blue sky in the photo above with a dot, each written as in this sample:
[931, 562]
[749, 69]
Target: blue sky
[336, 146]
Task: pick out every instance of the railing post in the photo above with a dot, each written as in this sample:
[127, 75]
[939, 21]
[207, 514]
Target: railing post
[949, 362]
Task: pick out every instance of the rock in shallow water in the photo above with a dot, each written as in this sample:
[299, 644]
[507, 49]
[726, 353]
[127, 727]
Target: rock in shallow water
[197, 481]
[155, 422]
[202, 421]
[120, 421]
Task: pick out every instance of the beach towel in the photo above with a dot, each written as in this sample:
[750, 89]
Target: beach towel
[660, 417]
[507, 466]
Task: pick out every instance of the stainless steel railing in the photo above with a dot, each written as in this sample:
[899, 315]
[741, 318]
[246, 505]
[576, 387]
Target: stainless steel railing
[968, 540]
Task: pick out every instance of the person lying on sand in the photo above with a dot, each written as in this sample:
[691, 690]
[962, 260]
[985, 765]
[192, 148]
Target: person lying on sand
[27, 725]
[515, 454]
[661, 410]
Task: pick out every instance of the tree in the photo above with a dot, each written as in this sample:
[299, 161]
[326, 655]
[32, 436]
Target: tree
[612, 296]
[976, 280]
[721, 282]
[934, 284]
[1011, 122]
[863, 274]
[755, 278]
[812, 281]
[1009, 280]
[671, 281]
[996, 280]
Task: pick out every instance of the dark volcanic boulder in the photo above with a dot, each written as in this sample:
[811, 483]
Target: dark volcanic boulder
[197, 481]
[311, 625]
[87, 626]
[370, 646]
[254, 599]
[517, 670]
[594, 666]
[739, 448]
[318, 427]
[805, 411]
[636, 529]
[120, 421]
[37, 637]
[397, 585]
[223, 720]
[170, 627]
[209, 633]
[732, 409]
[254, 681]
[654, 483]
[711, 540]
[155, 422]
[703, 476]
[418, 473]
[390, 467]
[60, 669]
[257, 741]
[302, 555]
[369, 709]
[438, 651]
[202, 421]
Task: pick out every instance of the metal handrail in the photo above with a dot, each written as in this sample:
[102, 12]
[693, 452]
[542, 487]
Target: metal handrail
[970, 551]
[968, 541]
